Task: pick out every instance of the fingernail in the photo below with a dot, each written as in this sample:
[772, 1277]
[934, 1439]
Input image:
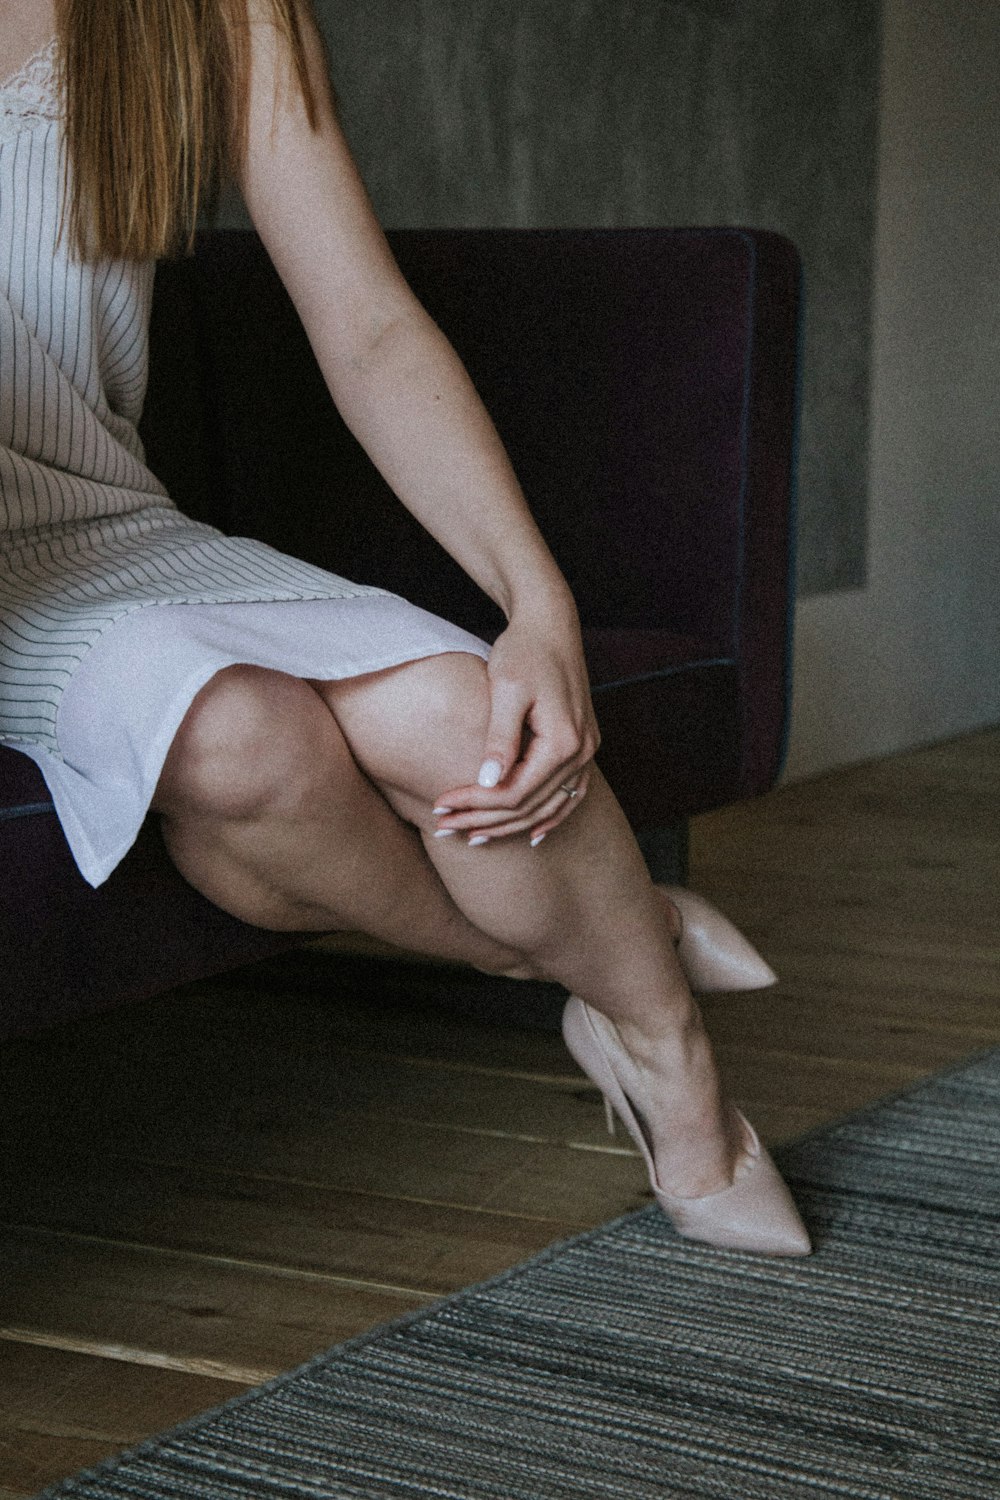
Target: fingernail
[445, 833]
[537, 839]
[438, 812]
[480, 838]
[489, 773]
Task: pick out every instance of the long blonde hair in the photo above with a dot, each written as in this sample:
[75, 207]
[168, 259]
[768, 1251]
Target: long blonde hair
[156, 95]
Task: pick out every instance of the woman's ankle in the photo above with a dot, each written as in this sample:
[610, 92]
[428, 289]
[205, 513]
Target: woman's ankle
[673, 1031]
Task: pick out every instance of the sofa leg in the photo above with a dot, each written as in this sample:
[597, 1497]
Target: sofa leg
[665, 850]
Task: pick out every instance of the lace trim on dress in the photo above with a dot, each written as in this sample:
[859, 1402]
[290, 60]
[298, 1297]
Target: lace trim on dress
[30, 95]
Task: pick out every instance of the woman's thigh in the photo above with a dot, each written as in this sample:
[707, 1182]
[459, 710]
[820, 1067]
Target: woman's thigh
[254, 741]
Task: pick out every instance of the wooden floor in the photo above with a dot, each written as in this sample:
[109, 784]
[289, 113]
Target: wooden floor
[200, 1192]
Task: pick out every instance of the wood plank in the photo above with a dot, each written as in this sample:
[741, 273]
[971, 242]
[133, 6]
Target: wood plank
[247, 1077]
[847, 1029]
[61, 1412]
[367, 1155]
[363, 1123]
[386, 1013]
[414, 1246]
[208, 1316]
[385, 1158]
[378, 1007]
[289, 1104]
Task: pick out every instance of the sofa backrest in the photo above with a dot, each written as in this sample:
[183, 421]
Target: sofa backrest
[627, 374]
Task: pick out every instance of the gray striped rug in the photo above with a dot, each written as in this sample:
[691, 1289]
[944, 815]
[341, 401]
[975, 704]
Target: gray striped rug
[629, 1363]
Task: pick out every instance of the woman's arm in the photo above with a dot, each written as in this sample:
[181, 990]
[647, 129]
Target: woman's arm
[406, 396]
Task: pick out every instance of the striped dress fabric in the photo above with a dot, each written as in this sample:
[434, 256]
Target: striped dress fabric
[89, 537]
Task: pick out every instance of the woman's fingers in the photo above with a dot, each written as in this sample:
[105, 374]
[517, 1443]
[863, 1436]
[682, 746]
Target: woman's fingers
[504, 733]
[474, 808]
[554, 812]
[539, 819]
[532, 781]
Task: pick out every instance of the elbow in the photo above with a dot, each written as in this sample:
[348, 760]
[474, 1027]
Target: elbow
[379, 331]
[383, 346]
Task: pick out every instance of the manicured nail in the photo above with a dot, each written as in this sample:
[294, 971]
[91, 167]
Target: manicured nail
[490, 772]
[445, 833]
[537, 839]
[480, 838]
[438, 812]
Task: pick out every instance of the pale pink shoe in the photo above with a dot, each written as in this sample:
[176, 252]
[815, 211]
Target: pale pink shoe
[713, 953]
[757, 1212]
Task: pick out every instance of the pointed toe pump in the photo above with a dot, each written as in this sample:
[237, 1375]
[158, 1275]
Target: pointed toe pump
[756, 1212]
[713, 953]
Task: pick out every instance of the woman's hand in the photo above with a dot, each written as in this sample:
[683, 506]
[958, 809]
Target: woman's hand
[542, 734]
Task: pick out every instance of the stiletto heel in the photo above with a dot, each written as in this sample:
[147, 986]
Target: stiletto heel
[756, 1212]
[713, 953]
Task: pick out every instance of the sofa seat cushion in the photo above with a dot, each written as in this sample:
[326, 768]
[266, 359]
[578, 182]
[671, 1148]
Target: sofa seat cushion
[621, 654]
[23, 792]
[669, 706]
[672, 741]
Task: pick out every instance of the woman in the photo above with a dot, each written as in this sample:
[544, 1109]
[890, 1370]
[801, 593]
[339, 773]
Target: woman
[322, 754]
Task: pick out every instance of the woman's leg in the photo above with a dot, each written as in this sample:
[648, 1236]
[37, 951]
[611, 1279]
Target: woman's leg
[265, 811]
[580, 906]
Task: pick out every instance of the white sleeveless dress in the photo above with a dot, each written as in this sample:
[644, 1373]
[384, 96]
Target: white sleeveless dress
[94, 680]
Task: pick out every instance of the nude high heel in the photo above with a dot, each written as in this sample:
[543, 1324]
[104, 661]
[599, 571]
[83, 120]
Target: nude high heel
[757, 1212]
[713, 953]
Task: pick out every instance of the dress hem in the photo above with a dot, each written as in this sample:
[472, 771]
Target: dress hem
[96, 869]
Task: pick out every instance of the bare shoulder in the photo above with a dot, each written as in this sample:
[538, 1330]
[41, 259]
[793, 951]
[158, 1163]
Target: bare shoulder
[304, 193]
[25, 27]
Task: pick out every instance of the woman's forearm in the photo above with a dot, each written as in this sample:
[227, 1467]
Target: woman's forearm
[410, 403]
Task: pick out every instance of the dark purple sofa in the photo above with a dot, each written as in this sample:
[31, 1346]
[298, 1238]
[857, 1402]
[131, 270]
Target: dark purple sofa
[645, 382]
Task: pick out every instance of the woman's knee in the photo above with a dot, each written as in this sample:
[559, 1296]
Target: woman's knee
[417, 727]
[253, 742]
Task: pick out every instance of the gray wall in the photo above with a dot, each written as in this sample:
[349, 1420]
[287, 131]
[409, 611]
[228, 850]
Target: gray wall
[643, 112]
[914, 656]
